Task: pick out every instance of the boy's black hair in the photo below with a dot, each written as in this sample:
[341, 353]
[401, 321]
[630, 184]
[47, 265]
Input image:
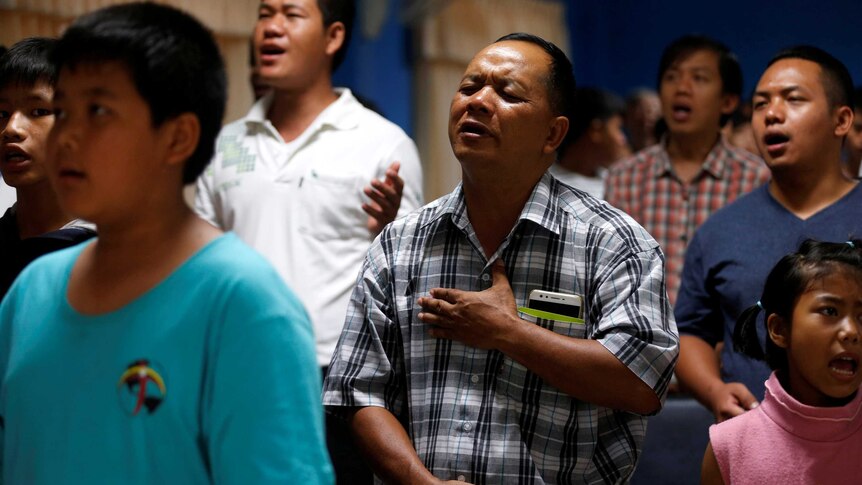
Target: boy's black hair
[834, 75]
[857, 98]
[791, 277]
[592, 104]
[172, 58]
[728, 65]
[561, 79]
[28, 63]
[343, 11]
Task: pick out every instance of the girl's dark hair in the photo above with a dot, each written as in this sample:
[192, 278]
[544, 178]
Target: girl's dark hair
[790, 278]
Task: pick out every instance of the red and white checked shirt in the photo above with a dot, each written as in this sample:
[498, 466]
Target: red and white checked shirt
[646, 187]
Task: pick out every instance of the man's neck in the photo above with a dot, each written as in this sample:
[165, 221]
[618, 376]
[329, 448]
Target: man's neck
[807, 193]
[38, 211]
[687, 152]
[293, 111]
[494, 208]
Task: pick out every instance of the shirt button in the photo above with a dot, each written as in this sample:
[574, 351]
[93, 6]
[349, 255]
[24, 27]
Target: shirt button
[468, 426]
[462, 478]
[486, 277]
[474, 379]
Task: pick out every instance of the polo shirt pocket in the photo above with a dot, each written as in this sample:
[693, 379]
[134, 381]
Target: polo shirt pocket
[332, 205]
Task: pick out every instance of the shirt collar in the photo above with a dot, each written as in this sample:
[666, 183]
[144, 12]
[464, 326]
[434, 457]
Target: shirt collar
[715, 163]
[542, 207]
[343, 114]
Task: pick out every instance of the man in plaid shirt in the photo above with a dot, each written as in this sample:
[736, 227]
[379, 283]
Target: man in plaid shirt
[439, 375]
[671, 188]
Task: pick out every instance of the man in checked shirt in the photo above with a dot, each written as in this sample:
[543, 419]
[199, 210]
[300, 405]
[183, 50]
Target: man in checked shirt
[439, 374]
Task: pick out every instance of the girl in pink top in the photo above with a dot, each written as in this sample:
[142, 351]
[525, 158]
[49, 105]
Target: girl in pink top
[808, 429]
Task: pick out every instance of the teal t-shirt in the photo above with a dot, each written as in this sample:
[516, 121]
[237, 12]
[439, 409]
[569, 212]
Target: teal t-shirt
[209, 377]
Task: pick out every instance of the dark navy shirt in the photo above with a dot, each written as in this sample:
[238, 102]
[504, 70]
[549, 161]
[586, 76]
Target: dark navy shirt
[17, 253]
[729, 258]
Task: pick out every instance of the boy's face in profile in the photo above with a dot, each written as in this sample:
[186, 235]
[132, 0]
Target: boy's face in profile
[103, 148]
[26, 117]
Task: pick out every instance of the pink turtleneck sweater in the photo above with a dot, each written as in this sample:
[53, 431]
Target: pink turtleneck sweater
[786, 442]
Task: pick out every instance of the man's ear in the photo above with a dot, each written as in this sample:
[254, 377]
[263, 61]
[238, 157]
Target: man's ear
[183, 133]
[729, 103]
[779, 331]
[843, 119]
[334, 37]
[557, 130]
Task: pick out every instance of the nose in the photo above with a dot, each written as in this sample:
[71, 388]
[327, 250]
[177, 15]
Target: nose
[271, 26]
[774, 113]
[64, 135]
[479, 102]
[15, 129]
[683, 84]
[850, 330]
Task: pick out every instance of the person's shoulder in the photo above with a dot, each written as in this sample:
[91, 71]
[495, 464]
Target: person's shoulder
[375, 124]
[229, 269]
[736, 428]
[602, 218]
[744, 157]
[419, 218]
[48, 270]
[233, 259]
[639, 161]
[743, 212]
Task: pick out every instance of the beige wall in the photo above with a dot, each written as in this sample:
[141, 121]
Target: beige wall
[230, 20]
[447, 42]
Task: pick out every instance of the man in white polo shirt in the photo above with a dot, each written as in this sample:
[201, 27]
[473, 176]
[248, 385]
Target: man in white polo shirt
[309, 176]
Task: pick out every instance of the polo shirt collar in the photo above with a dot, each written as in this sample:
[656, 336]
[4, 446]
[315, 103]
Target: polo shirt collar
[342, 114]
[715, 163]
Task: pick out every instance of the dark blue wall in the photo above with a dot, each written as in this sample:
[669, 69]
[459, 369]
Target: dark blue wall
[380, 69]
[617, 43]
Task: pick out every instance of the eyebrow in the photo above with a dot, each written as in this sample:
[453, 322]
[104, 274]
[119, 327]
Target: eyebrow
[784, 90]
[283, 6]
[94, 92]
[502, 80]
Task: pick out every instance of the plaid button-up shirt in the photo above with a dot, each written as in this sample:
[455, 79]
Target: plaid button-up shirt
[646, 187]
[477, 414]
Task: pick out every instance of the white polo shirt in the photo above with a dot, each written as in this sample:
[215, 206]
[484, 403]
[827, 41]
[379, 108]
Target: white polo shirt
[300, 203]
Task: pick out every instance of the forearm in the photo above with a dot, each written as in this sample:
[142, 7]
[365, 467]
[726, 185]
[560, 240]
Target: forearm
[698, 369]
[583, 369]
[387, 448]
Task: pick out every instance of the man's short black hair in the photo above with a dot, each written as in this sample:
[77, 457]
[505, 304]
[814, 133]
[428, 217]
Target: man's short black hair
[343, 11]
[857, 98]
[561, 79]
[728, 65]
[592, 104]
[28, 63]
[834, 76]
[172, 58]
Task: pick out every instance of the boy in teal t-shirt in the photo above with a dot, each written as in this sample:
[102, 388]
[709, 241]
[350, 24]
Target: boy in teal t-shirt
[163, 351]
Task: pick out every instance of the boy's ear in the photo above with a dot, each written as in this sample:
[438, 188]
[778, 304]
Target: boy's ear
[183, 133]
[779, 331]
